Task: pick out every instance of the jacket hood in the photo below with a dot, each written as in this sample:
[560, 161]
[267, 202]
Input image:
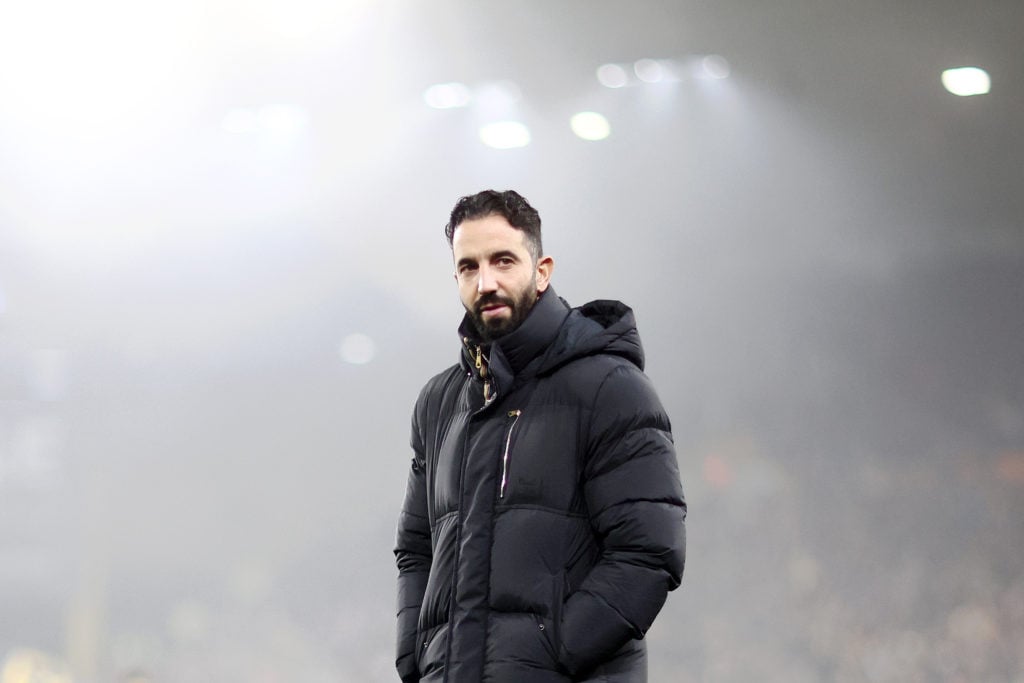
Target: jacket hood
[601, 326]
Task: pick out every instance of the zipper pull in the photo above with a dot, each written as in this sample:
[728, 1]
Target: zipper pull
[504, 458]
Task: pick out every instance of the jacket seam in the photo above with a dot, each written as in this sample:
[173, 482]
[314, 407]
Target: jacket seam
[612, 607]
[592, 408]
[543, 508]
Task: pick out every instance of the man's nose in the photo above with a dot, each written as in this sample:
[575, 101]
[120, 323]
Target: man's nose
[486, 282]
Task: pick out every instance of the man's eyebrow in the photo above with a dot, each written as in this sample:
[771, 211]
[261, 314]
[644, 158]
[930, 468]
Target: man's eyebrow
[504, 253]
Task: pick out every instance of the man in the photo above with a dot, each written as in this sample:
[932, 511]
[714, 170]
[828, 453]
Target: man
[543, 523]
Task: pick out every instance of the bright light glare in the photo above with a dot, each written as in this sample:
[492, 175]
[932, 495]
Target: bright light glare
[715, 67]
[357, 349]
[966, 81]
[93, 70]
[293, 25]
[612, 76]
[240, 121]
[590, 125]
[649, 70]
[25, 665]
[283, 120]
[496, 99]
[505, 135]
[447, 96]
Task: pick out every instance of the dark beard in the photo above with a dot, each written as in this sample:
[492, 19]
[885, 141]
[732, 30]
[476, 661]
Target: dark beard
[489, 330]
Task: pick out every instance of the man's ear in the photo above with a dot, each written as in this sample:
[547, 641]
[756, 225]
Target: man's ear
[545, 266]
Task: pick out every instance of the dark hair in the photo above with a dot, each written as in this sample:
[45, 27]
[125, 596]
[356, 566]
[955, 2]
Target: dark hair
[509, 204]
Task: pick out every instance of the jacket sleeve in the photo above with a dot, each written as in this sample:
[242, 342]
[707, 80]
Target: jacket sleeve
[635, 502]
[413, 555]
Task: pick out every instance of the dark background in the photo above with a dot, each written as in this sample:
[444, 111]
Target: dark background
[201, 203]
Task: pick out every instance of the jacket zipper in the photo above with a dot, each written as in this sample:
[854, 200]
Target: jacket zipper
[480, 361]
[504, 458]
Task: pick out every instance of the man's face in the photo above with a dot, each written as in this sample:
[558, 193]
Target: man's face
[498, 280]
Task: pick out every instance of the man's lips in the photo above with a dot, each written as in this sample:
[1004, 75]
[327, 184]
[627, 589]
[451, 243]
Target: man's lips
[491, 310]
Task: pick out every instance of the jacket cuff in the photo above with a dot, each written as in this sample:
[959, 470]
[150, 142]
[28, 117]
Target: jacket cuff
[591, 631]
[406, 666]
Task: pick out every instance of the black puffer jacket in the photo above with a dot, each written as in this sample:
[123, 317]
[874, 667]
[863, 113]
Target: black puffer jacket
[542, 530]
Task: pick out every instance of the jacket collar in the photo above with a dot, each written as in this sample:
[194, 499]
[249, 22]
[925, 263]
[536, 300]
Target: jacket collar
[509, 356]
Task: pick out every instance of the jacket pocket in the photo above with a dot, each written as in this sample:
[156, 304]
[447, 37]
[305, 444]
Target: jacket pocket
[553, 626]
[427, 657]
[547, 636]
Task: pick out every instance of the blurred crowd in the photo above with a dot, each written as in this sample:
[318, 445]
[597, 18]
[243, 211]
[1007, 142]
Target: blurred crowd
[887, 572]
